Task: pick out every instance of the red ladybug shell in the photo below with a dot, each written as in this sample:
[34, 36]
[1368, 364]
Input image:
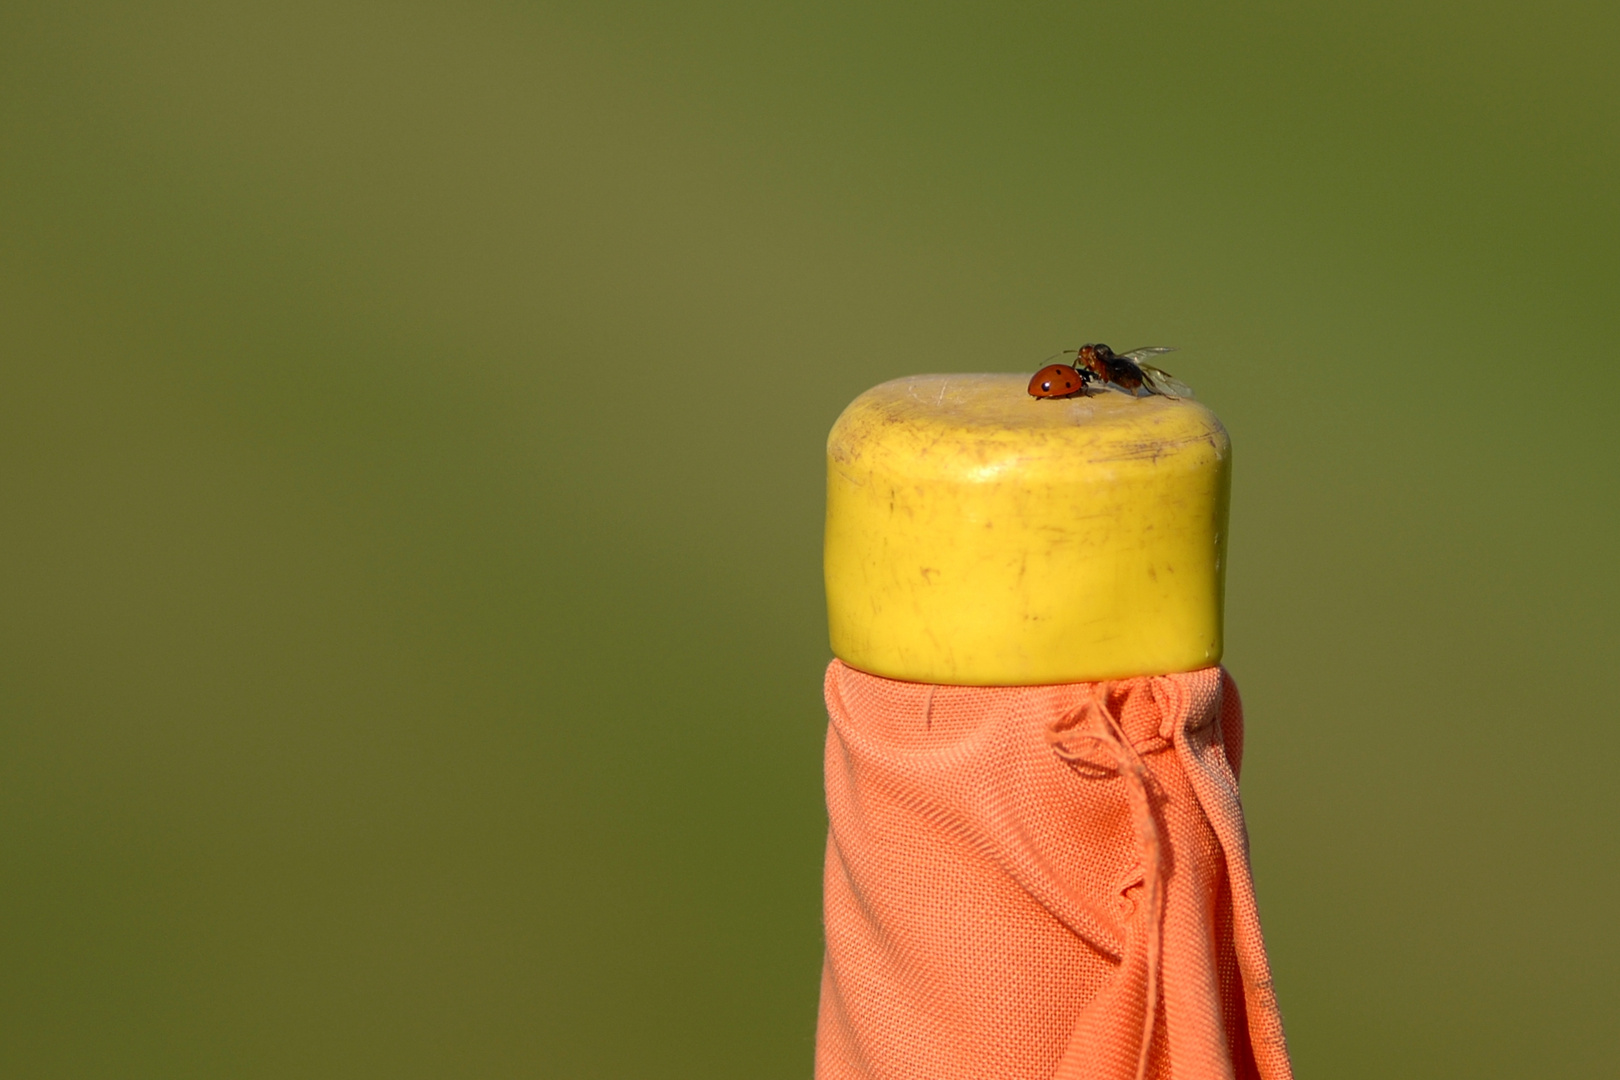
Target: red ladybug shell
[1055, 381]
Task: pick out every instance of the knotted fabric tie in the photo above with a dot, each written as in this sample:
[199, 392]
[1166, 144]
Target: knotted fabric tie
[1069, 738]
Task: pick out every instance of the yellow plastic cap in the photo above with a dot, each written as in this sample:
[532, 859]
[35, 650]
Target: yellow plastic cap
[981, 537]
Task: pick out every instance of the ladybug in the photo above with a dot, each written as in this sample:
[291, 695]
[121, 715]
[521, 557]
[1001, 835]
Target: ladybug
[1059, 381]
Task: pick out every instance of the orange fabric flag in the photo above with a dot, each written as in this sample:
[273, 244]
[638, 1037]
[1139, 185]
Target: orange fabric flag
[1041, 883]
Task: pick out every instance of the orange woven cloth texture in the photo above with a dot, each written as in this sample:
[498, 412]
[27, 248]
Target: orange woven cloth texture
[1034, 882]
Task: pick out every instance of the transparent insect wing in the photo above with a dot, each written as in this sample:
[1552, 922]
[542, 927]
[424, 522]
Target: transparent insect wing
[1138, 355]
[1162, 382]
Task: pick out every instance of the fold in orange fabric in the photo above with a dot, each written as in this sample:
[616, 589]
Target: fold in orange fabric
[1041, 883]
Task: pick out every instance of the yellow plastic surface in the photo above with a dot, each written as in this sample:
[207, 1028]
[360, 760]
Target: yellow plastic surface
[978, 536]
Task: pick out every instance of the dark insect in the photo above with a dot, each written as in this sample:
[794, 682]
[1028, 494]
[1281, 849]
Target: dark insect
[1128, 371]
[1100, 364]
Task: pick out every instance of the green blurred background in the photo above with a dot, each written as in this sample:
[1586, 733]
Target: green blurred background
[412, 421]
